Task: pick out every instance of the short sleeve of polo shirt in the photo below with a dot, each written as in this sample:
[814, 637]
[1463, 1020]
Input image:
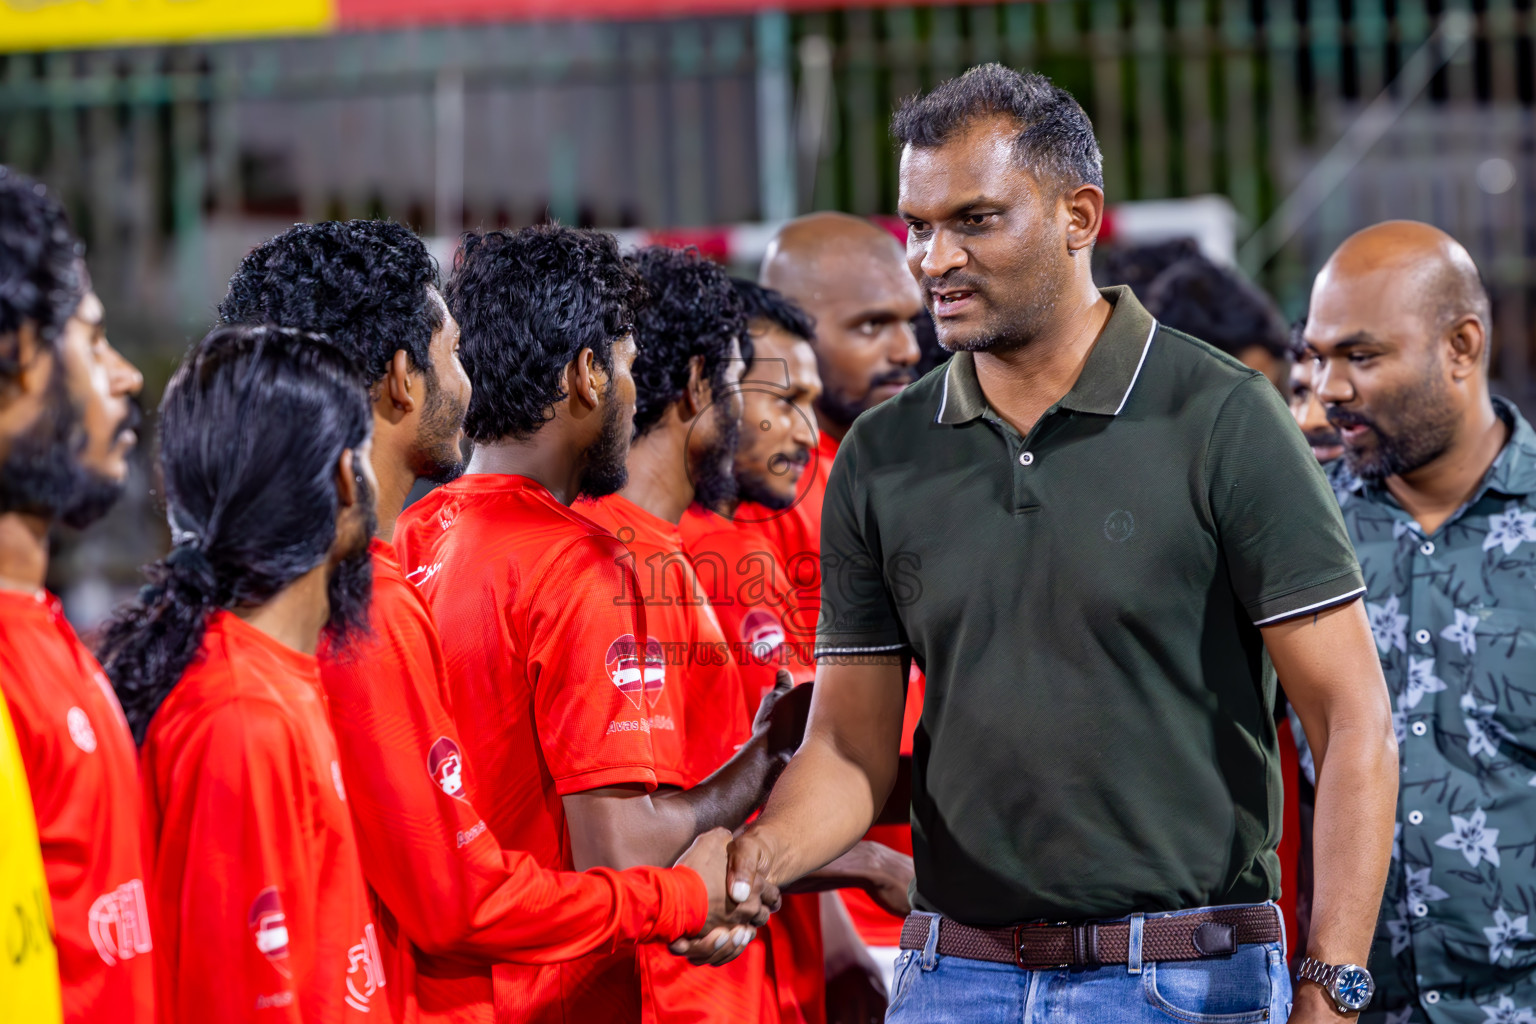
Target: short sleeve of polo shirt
[858, 615]
[1278, 523]
[582, 621]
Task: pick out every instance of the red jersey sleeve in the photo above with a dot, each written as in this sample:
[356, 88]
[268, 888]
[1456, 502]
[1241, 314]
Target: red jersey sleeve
[425, 849]
[588, 669]
[244, 901]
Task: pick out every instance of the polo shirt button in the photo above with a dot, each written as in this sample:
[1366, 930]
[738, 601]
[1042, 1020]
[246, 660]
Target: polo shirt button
[1026, 458]
[1415, 817]
[1421, 637]
[1419, 728]
[1431, 997]
[1420, 910]
[1428, 547]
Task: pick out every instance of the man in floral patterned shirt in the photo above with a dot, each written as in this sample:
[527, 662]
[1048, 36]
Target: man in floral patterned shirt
[1438, 488]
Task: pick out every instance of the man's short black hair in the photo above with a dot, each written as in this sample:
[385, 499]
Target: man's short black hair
[527, 303]
[363, 283]
[42, 276]
[1139, 265]
[1218, 306]
[1055, 141]
[774, 307]
[694, 311]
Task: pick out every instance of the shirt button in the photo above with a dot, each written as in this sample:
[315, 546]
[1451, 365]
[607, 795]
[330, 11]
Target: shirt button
[1415, 817]
[1431, 997]
[1420, 910]
[1428, 547]
[1421, 637]
[1419, 728]
[1026, 458]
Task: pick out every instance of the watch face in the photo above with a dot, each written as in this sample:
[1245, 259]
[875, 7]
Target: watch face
[1353, 987]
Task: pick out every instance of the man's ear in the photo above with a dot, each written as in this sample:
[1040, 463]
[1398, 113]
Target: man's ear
[346, 479]
[400, 390]
[697, 396]
[35, 362]
[585, 379]
[1467, 342]
[1085, 216]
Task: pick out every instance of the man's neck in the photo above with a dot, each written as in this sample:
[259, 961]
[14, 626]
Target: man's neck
[297, 614]
[1022, 383]
[1433, 492]
[545, 458]
[393, 471]
[658, 472]
[23, 552]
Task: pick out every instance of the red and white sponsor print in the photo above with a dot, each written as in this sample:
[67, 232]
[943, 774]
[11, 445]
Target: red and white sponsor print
[269, 928]
[119, 923]
[445, 763]
[639, 673]
[762, 632]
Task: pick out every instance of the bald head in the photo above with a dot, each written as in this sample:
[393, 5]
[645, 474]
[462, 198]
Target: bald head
[1421, 267]
[1398, 324]
[851, 276]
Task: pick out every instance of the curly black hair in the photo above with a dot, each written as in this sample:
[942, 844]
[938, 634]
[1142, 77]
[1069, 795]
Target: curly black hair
[42, 276]
[778, 309]
[363, 283]
[527, 303]
[695, 310]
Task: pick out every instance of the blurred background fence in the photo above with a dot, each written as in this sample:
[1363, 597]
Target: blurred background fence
[1312, 117]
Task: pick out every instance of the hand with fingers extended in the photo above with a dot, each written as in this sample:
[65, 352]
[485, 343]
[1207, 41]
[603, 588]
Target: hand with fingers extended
[782, 715]
[731, 924]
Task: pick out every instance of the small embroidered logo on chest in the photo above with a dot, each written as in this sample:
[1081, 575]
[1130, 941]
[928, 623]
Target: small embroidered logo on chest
[336, 780]
[80, 730]
[1119, 526]
[447, 514]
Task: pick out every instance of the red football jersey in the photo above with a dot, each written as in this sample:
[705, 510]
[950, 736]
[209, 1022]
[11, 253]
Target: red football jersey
[262, 914]
[797, 533]
[84, 777]
[543, 641]
[704, 694]
[441, 886]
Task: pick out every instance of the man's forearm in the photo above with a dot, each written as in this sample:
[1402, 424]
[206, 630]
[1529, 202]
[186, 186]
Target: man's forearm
[1352, 840]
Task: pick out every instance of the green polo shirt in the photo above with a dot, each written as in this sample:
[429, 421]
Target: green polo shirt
[1097, 735]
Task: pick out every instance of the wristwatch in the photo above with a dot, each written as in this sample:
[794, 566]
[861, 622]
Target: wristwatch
[1350, 986]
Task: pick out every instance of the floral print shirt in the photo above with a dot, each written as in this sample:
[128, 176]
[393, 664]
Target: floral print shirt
[1454, 619]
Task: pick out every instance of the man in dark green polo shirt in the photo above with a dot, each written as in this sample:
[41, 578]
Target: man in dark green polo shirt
[1100, 539]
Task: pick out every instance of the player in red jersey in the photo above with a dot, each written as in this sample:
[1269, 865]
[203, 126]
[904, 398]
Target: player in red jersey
[444, 892]
[749, 581]
[67, 421]
[259, 905]
[544, 638]
[850, 275]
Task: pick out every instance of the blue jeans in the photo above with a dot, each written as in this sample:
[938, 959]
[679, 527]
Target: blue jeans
[1251, 985]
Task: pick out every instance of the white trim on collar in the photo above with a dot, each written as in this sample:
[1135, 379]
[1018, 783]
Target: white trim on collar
[1145, 348]
[944, 401]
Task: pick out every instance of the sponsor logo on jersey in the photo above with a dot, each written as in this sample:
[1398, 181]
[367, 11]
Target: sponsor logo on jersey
[640, 672]
[446, 765]
[655, 670]
[119, 923]
[422, 573]
[762, 632]
[469, 835]
[269, 928]
[365, 971]
[80, 730]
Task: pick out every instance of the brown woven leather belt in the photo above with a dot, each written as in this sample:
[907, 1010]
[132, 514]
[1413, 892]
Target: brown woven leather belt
[1044, 947]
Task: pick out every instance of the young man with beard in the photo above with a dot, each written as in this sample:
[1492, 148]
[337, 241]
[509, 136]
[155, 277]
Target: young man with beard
[443, 890]
[260, 909]
[1438, 488]
[546, 652]
[848, 274]
[1112, 524]
[67, 417]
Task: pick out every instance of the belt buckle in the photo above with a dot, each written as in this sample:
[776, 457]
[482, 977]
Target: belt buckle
[1018, 945]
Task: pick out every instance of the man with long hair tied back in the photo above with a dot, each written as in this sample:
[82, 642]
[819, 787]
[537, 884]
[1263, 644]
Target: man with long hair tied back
[258, 896]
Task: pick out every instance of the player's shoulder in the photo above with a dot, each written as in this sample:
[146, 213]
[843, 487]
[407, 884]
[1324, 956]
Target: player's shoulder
[888, 430]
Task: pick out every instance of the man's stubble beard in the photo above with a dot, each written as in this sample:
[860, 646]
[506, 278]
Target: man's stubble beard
[1431, 429]
[607, 460]
[438, 457]
[714, 481]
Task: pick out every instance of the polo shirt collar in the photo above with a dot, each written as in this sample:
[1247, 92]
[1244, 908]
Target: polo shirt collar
[1102, 388]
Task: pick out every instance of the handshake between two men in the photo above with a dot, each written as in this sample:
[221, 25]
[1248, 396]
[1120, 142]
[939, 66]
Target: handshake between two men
[744, 892]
